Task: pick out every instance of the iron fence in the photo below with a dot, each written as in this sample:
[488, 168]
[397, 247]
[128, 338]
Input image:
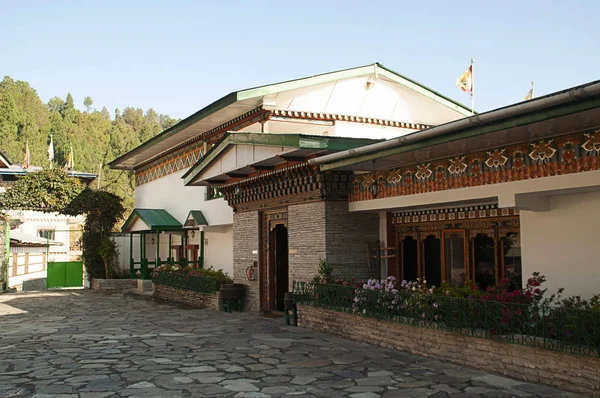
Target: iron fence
[555, 328]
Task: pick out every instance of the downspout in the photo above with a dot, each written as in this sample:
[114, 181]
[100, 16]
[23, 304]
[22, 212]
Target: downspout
[571, 95]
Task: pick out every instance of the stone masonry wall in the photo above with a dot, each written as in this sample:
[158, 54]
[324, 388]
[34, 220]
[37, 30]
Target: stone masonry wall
[569, 372]
[113, 284]
[189, 297]
[306, 240]
[346, 237]
[245, 252]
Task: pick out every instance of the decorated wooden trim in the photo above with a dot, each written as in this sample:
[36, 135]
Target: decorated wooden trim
[270, 219]
[293, 184]
[454, 214]
[171, 161]
[180, 160]
[348, 118]
[566, 154]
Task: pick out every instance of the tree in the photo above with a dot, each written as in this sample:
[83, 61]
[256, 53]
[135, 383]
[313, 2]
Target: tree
[103, 210]
[87, 102]
[49, 190]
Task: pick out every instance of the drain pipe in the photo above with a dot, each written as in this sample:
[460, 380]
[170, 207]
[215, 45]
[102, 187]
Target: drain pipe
[571, 95]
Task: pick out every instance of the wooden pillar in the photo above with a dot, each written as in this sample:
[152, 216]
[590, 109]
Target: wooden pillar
[131, 260]
[157, 258]
[169, 256]
[201, 247]
[15, 264]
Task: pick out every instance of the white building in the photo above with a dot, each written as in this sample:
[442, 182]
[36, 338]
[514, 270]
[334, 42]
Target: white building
[369, 102]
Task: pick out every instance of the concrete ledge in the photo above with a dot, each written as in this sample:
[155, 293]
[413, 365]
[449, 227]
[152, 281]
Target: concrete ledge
[575, 373]
[117, 285]
[144, 286]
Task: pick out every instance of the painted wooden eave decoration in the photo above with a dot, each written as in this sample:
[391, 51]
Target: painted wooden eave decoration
[154, 219]
[195, 219]
[264, 152]
[231, 106]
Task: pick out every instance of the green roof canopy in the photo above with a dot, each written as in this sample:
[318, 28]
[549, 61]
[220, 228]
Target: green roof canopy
[155, 219]
[194, 219]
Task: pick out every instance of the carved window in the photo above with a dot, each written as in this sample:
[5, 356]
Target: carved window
[484, 261]
[511, 259]
[410, 259]
[454, 257]
[432, 260]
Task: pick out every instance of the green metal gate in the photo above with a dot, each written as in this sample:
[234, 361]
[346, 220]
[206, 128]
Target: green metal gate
[65, 274]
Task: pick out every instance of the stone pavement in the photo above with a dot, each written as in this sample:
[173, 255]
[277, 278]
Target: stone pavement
[95, 345]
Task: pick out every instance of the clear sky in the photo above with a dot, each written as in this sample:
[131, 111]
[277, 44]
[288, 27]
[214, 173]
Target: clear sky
[178, 56]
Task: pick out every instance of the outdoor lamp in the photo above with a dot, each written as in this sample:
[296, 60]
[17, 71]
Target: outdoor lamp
[374, 189]
[238, 190]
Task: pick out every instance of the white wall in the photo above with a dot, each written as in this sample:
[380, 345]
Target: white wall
[563, 243]
[218, 248]
[170, 194]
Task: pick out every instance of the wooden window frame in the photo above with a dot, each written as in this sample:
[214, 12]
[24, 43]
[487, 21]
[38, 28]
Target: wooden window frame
[465, 248]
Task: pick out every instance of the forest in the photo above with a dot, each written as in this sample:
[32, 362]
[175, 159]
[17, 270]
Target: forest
[96, 136]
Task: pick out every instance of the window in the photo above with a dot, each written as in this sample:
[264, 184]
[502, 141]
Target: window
[511, 259]
[432, 260]
[46, 234]
[454, 257]
[213, 193]
[484, 261]
[410, 261]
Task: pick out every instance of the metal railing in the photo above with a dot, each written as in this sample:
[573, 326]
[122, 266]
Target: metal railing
[554, 328]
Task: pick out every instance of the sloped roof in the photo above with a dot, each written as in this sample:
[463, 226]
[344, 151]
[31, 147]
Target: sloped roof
[301, 145]
[238, 102]
[155, 219]
[20, 238]
[195, 218]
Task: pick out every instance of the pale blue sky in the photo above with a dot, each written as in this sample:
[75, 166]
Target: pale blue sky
[178, 56]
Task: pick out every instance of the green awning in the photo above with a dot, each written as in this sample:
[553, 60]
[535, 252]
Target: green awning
[194, 219]
[155, 219]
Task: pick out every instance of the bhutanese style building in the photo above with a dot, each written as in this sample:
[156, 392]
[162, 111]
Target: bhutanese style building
[280, 215]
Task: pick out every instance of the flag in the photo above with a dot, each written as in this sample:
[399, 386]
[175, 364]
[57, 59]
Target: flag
[530, 93]
[465, 81]
[51, 150]
[27, 159]
[70, 160]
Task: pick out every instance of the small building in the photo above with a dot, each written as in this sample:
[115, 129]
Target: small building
[37, 237]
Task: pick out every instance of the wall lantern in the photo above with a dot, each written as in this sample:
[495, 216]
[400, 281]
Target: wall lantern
[374, 189]
[238, 191]
[193, 233]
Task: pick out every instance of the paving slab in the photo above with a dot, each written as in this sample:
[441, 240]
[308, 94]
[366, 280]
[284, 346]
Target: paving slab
[87, 344]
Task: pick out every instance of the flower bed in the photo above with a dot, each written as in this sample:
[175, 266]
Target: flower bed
[188, 285]
[189, 278]
[521, 317]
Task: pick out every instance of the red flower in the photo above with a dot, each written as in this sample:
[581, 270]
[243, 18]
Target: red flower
[528, 294]
[537, 291]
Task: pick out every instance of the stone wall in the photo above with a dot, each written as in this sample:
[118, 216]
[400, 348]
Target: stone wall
[245, 252]
[306, 240]
[569, 372]
[346, 237]
[189, 297]
[113, 284]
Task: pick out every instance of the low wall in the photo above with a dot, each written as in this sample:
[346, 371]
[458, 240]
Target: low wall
[189, 297]
[568, 372]
[113, 284]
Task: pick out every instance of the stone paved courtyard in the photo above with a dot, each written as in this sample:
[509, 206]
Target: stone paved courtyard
[92, 345]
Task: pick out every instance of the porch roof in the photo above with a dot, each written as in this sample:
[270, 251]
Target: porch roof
[268, 151]
[563, 112]
[20, 239]
[155, 219]
[194, 219]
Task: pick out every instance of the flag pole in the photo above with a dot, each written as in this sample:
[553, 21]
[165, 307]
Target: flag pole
[532, 87]
[473, 85]
[99, 174]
